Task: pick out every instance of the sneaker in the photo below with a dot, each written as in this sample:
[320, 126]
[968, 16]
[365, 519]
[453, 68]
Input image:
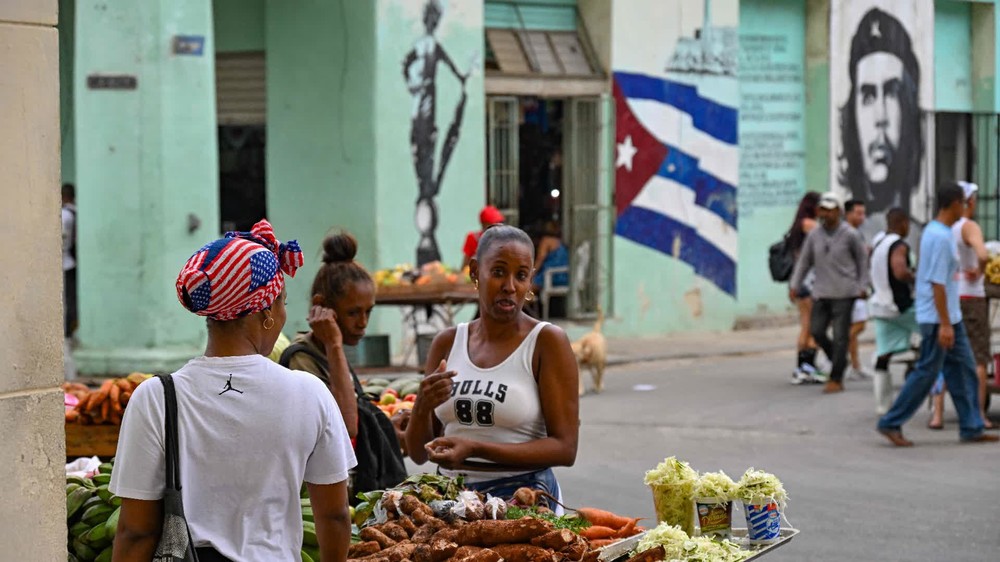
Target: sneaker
[858, 375]
[815, 375]
[800, 377]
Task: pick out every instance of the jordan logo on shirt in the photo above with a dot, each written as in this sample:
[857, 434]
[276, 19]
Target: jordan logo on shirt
[229, 386]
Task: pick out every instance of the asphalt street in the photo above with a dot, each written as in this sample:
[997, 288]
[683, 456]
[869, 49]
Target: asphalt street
[852, 495]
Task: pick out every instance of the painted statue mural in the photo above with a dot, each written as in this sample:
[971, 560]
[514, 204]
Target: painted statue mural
[881, 76]
[420, 69]
[676, 97]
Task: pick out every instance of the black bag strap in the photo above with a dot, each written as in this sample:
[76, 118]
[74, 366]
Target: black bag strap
[171, 447]
[299, 347]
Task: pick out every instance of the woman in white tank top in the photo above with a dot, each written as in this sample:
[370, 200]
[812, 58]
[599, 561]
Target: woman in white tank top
[481, 412]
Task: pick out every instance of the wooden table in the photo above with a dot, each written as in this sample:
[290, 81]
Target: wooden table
[437, 299]
[91, 440]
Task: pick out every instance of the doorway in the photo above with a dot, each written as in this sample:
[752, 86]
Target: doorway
[544, 175]
[242, 177]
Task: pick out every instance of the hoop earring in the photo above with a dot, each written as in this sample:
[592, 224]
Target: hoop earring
[268, 323]
[530, 296]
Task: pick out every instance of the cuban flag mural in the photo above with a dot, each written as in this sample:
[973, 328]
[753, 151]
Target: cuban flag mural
[677, 156]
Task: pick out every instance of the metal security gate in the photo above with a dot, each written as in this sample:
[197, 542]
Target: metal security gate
[502, 149]
[241, 88]
[586, 207]
[986, 173]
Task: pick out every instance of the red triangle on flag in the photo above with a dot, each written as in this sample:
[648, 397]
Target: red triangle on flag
[638, 154]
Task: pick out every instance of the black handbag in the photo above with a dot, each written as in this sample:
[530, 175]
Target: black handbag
[175, 540]
[380, 459]
[781, 260]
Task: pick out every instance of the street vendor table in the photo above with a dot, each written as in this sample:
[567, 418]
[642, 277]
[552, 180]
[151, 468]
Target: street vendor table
[435, 299]
[91, 440]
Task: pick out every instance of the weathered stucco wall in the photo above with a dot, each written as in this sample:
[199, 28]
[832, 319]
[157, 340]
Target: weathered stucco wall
[32, 444]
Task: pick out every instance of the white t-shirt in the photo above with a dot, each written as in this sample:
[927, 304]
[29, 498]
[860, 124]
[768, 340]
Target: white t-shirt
[250, 432]
[496, 405]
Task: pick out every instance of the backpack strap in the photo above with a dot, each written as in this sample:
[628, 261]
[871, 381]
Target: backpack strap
[299, 347]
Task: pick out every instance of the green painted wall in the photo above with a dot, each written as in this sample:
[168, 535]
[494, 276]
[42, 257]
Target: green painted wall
[67, 9]
[817, 95]
[239, 25]
[984, 57]
[654, 292]
[146, 161]
[321, 145]
[953, 82]
[462, 193]
[772, 142]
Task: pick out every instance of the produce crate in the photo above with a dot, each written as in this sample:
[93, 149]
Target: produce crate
[91, 440]
[619, 551]
[992, 290]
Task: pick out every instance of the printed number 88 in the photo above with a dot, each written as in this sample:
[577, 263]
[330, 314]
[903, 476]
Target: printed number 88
[482, 414]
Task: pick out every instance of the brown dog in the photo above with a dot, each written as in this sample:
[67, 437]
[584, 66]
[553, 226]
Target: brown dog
[591, 351]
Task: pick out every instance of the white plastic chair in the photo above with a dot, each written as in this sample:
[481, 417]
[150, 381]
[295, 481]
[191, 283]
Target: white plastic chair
[549, 289]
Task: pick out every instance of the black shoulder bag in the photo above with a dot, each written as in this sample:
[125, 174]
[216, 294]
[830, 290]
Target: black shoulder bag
[380, 459]
[175, 540]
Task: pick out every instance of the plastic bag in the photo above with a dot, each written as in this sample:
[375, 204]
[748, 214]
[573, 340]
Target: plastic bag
[496, 508]
[469, 507]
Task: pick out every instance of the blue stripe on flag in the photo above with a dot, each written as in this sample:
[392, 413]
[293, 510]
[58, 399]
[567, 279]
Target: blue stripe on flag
[658, 232]
[717, 120]
[710, 192]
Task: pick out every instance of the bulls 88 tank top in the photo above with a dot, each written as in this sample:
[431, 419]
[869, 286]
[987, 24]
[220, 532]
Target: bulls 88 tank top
[496, 405]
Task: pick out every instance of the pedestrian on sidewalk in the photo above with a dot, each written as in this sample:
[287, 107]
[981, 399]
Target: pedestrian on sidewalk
[70, 310]
[854, 215]
[801, 295]
[945, 346]
[837, 254]
[891, 304]
[972, 258]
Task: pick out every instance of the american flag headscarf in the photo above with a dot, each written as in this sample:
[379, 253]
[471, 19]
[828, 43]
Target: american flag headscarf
[240, 274]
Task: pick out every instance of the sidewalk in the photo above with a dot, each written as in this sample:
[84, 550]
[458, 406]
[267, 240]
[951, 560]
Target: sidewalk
[711, 344]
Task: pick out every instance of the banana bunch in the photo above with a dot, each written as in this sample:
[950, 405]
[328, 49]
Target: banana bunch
[310, 545]
[993, 270]
[92, 516]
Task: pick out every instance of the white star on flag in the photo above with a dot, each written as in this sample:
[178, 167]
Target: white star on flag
[626, 152]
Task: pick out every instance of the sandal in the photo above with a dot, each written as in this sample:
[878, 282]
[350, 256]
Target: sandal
[934, 426]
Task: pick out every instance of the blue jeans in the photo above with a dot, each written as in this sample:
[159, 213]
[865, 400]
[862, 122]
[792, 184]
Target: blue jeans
[544, 480]
[959, 370]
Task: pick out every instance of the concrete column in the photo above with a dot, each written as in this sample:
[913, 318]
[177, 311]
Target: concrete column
[147, 176]
[32, 443]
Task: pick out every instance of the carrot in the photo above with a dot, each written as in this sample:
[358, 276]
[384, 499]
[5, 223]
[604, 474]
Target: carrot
[597, 532]
[106, 410]
[603, 518]
[124, 385]
[628, 530]
[100, 395]
[601, 543]
[114, 397]
[125, 397]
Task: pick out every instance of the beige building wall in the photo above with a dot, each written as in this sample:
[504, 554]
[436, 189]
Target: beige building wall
[32, 441]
